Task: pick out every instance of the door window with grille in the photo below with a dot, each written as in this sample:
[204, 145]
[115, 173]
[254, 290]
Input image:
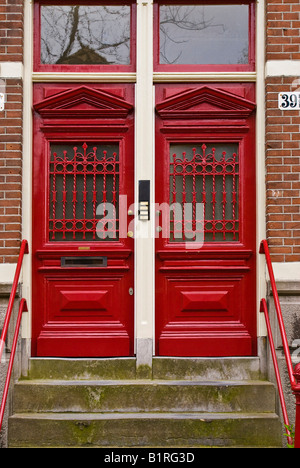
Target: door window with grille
[84, 187]
[206, 175]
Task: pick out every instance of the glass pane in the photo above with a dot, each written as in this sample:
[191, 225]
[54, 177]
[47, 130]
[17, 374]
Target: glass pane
[84, 192]
[206, 175]
[85, 35]
[215, 34]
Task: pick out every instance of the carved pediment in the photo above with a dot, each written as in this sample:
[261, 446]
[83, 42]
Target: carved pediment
[205, 102]
[83, 102]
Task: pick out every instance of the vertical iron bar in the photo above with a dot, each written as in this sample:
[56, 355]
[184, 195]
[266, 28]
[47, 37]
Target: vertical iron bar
[194, 221]
[84, 192]
[74, 193]
[64, 194]
[214, 191]
[184, 162]
[54, 194]
[234, 195]
[104, 188]
[224, 195]
[94, 193]
[204, 185]
[114, 194]
[174, 196]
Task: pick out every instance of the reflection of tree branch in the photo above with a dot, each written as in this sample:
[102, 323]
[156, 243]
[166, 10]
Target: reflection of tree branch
[182, 22]
[179, 17]
[164, 37]
[68, 30]
[75, 15]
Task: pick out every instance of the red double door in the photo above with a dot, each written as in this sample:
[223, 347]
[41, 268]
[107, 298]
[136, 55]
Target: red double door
[83, 249]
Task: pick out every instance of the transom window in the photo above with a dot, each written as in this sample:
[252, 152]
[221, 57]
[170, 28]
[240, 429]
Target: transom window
[204, 34]
[191, 36]
[84, 36]
[91, 36]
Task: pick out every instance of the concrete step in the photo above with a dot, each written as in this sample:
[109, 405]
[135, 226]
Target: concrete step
[102, 403]
[237, 368]
[144, 430]
[163, 368]
[143, 396]
[82, 369]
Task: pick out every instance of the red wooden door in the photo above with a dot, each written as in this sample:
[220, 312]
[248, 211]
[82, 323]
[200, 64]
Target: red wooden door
[82, 263]
[206, 242]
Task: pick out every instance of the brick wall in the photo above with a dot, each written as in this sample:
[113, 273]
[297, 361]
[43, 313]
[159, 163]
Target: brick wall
[11, 50]
[283, 23]
[283, 168]
[283, 135]
[11, 172]
[11, 30]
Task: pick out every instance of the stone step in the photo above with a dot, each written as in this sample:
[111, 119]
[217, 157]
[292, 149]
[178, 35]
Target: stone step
[163, 368]
[82, 369]
[144, 430]
[143, 396]
[230, 368]
[188, 402]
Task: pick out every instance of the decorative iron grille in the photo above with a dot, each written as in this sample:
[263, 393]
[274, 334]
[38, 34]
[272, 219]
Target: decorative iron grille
[84, 192]
[209, 177]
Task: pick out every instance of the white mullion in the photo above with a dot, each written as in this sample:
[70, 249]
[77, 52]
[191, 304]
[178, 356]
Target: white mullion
[144, 170]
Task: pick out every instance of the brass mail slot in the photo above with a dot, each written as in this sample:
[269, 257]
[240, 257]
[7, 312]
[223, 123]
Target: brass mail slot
[83, 262]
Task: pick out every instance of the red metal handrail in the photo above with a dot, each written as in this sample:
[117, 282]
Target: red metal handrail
[23, 308]
[264, 308]
[294, 375]
[24, 250]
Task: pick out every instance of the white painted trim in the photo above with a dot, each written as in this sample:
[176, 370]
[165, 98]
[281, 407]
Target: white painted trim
[144, 170]
[287, 271]
[158, 77]
[260, 161]
[11, 70]
[283, 68]
[27, 163]
[7, 272]
[83, 77]
[204, 77]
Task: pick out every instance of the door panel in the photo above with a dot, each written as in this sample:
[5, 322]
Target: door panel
[205, 261]
[82, 266]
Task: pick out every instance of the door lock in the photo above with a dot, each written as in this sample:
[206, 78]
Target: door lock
[130, 291]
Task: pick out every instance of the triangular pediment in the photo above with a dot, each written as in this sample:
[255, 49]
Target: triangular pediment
[83, 102]
[205, 102]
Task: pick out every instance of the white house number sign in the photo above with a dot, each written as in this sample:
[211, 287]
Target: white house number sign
[289, 101]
